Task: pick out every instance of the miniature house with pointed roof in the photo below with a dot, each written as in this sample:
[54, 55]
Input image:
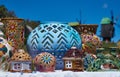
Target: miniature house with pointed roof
[20, 62]
[73, 60]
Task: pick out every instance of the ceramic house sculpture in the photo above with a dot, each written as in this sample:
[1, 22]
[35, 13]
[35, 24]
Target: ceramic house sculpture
[20, 62]
[55, 38]
[45, 62]
[73, 60]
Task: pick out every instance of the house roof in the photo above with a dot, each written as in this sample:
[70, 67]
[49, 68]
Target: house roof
[106, 20]
[21, 55]
[73, 53]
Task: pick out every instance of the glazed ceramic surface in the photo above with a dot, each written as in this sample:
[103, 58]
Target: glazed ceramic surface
[45, 62]
[52, 37]
[5, 54]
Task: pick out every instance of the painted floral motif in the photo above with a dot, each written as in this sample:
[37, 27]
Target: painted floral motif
[90, 42]
[45, 62]
[12, 26]
[14, 31]
[46, 59]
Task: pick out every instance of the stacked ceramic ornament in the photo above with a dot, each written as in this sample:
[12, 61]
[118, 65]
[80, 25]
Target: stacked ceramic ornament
[54, 38]
[58, 46]
[47, 45]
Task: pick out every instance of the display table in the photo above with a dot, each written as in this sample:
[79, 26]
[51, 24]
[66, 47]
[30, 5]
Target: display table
[62, 74]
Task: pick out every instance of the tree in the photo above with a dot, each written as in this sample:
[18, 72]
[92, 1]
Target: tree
[4, 12]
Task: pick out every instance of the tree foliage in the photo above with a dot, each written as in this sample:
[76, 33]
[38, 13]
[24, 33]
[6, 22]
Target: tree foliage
[4, 12]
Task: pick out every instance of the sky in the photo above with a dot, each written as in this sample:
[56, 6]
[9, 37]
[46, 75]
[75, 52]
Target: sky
[92, 11]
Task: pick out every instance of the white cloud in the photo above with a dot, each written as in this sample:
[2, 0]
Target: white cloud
[105, 5]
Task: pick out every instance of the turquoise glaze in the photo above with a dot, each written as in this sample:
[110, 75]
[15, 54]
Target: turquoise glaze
[52, 37]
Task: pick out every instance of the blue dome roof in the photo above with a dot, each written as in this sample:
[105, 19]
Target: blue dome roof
[52, 37]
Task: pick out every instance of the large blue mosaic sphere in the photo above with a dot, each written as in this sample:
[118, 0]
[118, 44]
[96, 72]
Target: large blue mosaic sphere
[52, 37]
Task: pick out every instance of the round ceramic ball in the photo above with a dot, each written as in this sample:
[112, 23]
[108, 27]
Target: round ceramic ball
[45, 61]
[52, 37]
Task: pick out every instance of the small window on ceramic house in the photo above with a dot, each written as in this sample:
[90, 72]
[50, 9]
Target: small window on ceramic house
[27, 66]
[68, 64]
[17, 66]
[30, 66]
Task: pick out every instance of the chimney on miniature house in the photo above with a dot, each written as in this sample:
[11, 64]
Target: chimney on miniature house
[73, 48]
[14, 32]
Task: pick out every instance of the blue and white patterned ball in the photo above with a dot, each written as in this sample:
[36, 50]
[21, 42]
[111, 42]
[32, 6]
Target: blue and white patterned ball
[52, 37]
